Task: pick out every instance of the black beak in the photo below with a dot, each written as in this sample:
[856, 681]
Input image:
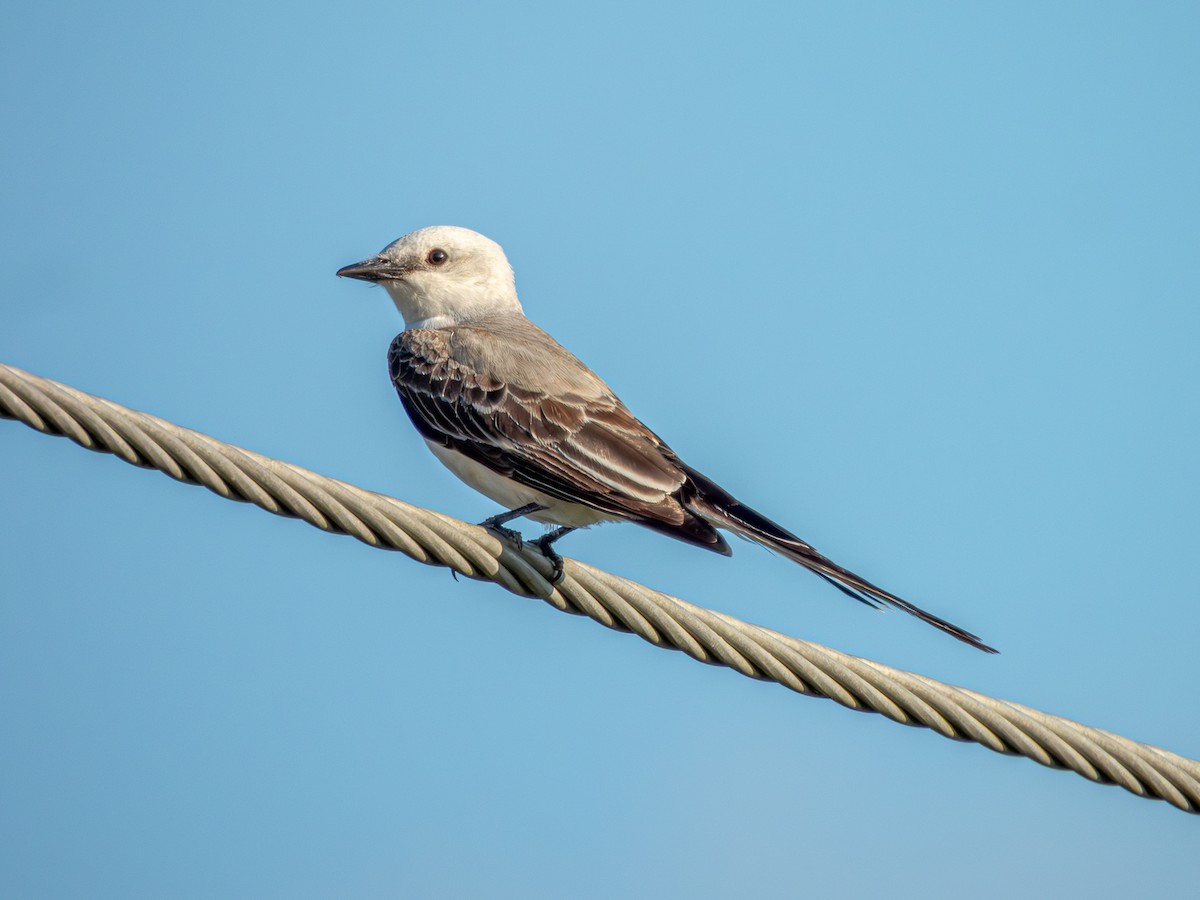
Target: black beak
[374, 269]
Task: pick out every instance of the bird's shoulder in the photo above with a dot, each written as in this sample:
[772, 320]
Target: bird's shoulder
[494, 353]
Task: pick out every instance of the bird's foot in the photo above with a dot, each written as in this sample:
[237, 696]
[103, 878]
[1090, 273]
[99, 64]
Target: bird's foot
[511, 535]
[545, 544]
[496, 523]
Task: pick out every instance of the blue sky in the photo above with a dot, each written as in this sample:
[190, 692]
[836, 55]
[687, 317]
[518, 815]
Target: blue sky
[920, 281]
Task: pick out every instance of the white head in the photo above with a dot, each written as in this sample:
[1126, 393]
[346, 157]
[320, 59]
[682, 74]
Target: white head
[442, 275]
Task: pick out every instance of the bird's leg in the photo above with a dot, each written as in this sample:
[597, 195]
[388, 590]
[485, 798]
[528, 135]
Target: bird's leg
[497, 523]
[544, 544]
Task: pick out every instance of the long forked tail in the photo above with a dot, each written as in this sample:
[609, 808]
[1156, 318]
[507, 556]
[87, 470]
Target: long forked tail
[717, 506]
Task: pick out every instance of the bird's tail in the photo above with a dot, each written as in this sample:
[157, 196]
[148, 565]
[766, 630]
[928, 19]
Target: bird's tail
[717, 506]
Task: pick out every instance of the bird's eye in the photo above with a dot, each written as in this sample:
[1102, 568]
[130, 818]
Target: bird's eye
[437, 256]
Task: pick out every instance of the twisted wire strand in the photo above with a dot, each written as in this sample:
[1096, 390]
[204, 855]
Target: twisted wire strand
[615, 602]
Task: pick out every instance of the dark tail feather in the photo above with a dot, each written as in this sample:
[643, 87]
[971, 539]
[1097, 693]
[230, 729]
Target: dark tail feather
[719, 507]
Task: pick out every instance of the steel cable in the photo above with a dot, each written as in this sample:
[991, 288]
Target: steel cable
[615, 602]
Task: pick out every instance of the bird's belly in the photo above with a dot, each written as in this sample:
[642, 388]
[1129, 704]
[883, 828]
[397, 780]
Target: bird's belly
[513, 495]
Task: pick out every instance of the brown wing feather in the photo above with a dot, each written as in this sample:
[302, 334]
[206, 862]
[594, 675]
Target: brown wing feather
[585, 450]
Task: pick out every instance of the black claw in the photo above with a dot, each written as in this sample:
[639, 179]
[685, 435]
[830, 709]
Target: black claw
[545, 544]
[510, 534]
[496, 523]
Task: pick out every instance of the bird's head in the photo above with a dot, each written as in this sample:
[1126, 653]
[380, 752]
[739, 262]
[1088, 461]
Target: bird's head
[441, 275]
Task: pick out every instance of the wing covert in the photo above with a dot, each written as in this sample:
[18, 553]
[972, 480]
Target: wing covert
[583, 449]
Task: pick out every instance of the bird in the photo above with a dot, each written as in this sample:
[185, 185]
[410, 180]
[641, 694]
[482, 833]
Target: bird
[519, 418]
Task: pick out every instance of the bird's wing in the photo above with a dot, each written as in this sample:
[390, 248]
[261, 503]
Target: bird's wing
[565, 438]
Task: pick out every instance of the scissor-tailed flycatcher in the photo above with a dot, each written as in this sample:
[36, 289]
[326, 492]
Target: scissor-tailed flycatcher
[517, 417]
